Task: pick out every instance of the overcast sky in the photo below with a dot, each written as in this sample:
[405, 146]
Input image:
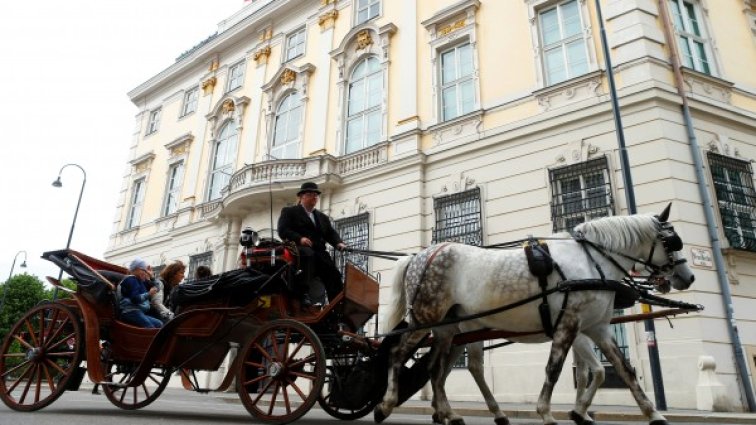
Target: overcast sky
[66, 67]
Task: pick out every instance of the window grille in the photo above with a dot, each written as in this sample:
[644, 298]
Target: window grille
[355, 231]
[462, 361]
[733, 184]
[204, 259]
[580, 193]
[458, 218]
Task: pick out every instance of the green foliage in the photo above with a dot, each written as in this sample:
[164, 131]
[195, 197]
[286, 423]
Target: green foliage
[21, 292]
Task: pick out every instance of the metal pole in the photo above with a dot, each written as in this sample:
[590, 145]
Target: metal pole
[10, 275]
[653, 349]
[58, 183]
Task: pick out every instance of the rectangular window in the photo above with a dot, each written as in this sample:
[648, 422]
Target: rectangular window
[173, 188]
[580, 193]
[190, 101]
[355, 233]
[295, 45]
[367, 10]
[565, 53]
[457, 86]
[235, 77]
[135, 207]
[736, 198]
[458, 218]
[204, 259]
[153, 122]
[691, 36]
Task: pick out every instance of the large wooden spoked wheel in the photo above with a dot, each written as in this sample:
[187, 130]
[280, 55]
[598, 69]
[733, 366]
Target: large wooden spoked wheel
[336, 385]
[39, 356]
[132, 398]
[282, 372]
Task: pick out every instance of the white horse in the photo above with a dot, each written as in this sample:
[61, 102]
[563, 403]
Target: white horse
[452, 280]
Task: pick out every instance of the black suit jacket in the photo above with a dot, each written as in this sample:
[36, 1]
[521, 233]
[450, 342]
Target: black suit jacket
[294, 223]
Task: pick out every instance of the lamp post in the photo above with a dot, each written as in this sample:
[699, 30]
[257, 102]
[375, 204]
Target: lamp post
[653, 349]
[10, 275]
[58, 183]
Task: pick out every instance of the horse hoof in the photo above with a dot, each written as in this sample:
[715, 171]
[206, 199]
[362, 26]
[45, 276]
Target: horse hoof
[436, 419]
[575, 417]
[659, 422]
[502, 421]
[378, 415]
[459, 421]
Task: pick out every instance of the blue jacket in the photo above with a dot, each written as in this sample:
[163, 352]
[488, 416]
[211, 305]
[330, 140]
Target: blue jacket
[133, 295]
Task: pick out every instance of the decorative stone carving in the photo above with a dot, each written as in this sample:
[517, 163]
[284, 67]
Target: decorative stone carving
[228, 106]
[266, 34]
[208, 85]
[363, 39]
[288, 76]
[328, 20]
[261, 56]
[446, 29]
[214, 64]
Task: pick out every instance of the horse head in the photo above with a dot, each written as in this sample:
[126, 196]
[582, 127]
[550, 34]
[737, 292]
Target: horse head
[676, 269]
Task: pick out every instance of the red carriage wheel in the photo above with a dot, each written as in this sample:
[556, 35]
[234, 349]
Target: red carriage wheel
[132, 398]
[39, 356]
[282, 372]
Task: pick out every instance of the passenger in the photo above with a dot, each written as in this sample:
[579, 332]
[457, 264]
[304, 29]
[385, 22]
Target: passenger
[310, 229]
[169, 278]
[134, 297]
[202, 272]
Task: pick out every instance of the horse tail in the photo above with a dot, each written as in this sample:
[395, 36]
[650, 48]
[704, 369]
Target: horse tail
[396, 308]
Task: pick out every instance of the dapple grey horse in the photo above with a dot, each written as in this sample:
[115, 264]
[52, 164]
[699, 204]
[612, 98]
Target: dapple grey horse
[454, 280]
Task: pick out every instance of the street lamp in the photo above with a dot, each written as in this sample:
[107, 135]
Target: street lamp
[7, 282]
[58, 183]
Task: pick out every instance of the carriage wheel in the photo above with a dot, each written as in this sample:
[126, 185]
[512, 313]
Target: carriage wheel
[39, 357]
[335, 385]
[282, 372]
[132, 398]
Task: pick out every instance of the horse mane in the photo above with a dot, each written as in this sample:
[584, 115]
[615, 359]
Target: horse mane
[620, 232]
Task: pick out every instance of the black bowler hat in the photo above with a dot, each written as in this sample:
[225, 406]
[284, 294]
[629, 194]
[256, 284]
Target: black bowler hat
[308, 187]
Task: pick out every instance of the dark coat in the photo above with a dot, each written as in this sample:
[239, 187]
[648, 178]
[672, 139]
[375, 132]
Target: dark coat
[294, 223]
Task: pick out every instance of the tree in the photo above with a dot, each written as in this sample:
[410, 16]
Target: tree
[24, 291]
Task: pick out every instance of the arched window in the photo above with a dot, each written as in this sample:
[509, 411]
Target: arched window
[363, 123]
[286, 130]
[224, 154]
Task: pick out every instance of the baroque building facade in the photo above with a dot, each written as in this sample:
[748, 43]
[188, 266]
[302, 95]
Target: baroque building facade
[476, 121]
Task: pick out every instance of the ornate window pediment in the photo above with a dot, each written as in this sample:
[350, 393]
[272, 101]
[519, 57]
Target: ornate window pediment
[228, 107]
[179, 147]
[142, 163]
[286, 79]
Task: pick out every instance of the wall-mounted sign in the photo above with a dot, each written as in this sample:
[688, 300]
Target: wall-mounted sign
[701, 257]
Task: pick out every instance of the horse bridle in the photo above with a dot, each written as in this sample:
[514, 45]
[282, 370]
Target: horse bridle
[670, 241]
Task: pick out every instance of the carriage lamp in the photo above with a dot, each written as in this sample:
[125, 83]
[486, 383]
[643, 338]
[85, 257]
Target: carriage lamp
[249, 238]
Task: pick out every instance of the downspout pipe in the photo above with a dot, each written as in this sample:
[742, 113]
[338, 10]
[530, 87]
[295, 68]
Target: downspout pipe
[708, 207]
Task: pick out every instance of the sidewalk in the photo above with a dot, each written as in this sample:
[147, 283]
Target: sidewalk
[561, 411]
[599, 412]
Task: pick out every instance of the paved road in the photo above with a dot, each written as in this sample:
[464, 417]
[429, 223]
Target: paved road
[177, 406]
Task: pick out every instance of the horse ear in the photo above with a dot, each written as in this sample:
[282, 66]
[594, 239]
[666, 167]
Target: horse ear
[665, 214]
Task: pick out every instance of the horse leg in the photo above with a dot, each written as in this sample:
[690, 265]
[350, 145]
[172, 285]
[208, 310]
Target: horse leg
[562, 340]
[439, 370]
[475, 367]
[586, 362]
[399, 354]
[611, 351]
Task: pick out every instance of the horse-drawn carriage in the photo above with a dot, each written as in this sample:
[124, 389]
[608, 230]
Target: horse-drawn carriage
[288, 358]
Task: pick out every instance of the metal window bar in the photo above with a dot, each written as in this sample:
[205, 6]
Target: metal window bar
[579, 193]
[458, 218]
[736, 198]
[355, 231]
[204, 259]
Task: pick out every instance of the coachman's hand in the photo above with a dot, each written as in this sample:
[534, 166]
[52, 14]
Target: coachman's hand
[304, 241]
